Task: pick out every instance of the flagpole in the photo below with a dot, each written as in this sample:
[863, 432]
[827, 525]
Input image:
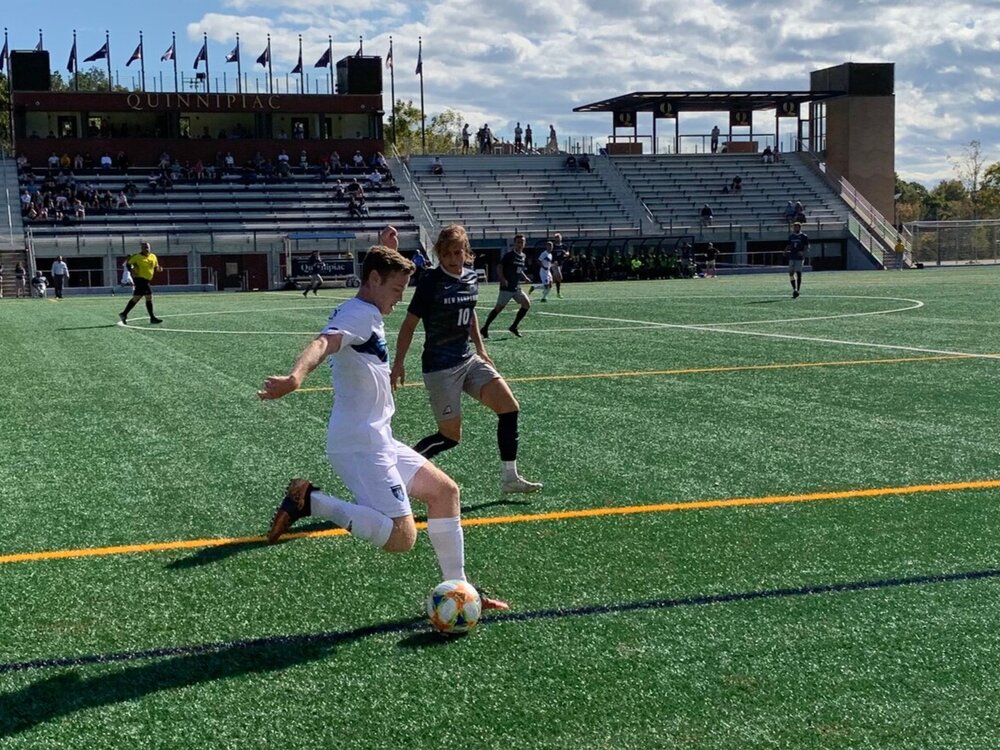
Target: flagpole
[330, 53]
[361, 46]
[107, 44]
[208, 80]
[392, 89]
[142, 61]
[423, 118]
[173, 46]
[76, 64]
[239, 66]
[302, 74]
[270, 72]
[41, 43]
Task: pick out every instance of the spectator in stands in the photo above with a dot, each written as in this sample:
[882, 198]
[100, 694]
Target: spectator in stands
[165, 161]
[375, 179]
[60, 276]
[358, 159]
[122, 161]
[335, 164]
[800, 213]
[198, 171]
[78, 162]
[284, 171]
[39, 284]
[379, 162]
[465, 148]
[338, 189]
[130, 189]
[88, 160]
[20, 280]
[354, 207]
[354, 189]
[437, 167]
[303, 161]
[229, 162]
[789, 212]
[528, 142]
[123, 200]
[106, 161]
[570, 163]
[79, 212]
[715, 139]
[22, 163]
[64, 161]
[363, 207]
[706, 215]
[25, 202]
[324, 170]
[518, 134]
[767, 156]
[53, 160]
[737, 184]
[299, 131]
[584, 163]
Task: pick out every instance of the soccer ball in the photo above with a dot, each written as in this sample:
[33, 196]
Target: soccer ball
[454, 607]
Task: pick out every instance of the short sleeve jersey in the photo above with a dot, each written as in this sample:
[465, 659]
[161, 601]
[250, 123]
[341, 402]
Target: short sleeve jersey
[512, 265]
[798, 245]
[711, 252]
[362, 402]
[545, 260]
[445, 304]
[143, 265]
[560, 253]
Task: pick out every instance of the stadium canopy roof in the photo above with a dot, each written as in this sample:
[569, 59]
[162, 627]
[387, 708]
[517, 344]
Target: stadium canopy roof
[707, 101]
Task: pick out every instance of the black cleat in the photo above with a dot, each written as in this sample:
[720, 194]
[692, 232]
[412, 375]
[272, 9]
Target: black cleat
[294, 505]
[516, 332]
[484, 333]
[123, 318]
[155, 321]
[795, 294]
[305, 293]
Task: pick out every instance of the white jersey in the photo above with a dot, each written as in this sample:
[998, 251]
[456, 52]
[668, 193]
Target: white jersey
[545, 260]
[362, 399]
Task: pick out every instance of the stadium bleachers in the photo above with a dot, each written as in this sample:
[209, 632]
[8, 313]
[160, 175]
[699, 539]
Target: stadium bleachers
[498, 195]
[299, 203]
[675, 187]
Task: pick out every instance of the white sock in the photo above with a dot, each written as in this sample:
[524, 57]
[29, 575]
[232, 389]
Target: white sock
[448, 541]
[509, 469]
[546, 292]
[359, 520]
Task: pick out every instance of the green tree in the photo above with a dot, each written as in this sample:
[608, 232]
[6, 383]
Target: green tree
[5, 140]
[92, 79]
[441, 131]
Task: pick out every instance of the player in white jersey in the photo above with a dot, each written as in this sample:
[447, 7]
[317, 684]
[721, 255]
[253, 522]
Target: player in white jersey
[545, 270]
[381, 471]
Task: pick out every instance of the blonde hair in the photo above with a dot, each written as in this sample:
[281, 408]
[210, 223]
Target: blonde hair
[454, 234]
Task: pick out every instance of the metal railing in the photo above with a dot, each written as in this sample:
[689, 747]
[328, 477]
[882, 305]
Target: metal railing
[99, 277]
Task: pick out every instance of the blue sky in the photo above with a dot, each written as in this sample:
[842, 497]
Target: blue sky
[533, 62]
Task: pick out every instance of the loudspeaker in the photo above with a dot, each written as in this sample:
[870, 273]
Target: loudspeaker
[29, 71]
[359, 75]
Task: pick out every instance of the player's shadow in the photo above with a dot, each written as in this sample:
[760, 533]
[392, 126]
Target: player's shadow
[64, 694]
[765, 301]
[221, 552]
[87, 328]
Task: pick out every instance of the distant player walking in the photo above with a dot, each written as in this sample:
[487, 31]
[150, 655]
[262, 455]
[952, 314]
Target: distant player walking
[315, 264]
[560, 254]
[143, 265]
[510, 270]
[797, 251]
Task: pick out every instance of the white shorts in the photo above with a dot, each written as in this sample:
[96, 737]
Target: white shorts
[545, 276]
[380, 480]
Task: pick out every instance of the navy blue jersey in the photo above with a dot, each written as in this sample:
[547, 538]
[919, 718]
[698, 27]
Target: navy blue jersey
[512, 265]
[798, 245]
[560, 253]
[445, 305]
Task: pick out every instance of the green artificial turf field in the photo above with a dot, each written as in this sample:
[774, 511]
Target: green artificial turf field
[766, 523]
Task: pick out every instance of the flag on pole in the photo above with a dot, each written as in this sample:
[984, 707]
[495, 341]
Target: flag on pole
[359, 52]
[324, 60]
[3, 55]
[71, 63]
[202, 56]
[38, 47]
[168, 55]
[137, 55]
[388, 58]
[420, 64]
[298, 66]
[101, 54]
[234, 56]
[265, 56]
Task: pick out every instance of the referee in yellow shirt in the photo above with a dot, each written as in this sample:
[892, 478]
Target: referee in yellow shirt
[142, 265]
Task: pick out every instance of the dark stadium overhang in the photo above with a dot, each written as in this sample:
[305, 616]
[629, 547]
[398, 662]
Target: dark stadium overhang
[706, 101]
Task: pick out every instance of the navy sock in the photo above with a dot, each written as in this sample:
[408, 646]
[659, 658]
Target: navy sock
[431, 445]
[507, 435]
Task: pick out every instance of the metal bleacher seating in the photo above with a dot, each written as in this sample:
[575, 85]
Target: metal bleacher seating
[300, 202]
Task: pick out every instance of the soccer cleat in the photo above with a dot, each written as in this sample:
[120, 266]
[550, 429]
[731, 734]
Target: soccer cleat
[123, 318]
[519, 484]
[484, 333]
[795, 294]
[559, 295]
[305, 293]
[154, 320]
[489, 602]
[516, 332]
[294, 505]
[545, 299]
[531, 289]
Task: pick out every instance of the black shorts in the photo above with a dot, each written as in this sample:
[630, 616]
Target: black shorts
[141, 287]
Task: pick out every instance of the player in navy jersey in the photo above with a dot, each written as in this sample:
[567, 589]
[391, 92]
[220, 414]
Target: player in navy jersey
[560, 254]
[797, 251]
[510, 269]
[445, 300]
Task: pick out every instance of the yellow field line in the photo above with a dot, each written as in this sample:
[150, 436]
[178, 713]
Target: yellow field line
[984, 484]
[701, 370]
